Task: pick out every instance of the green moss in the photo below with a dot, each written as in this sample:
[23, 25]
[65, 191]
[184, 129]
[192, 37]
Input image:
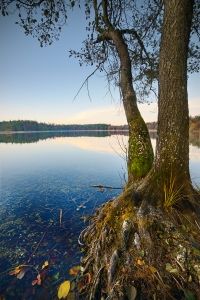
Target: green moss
[139, 166]
[140, 149]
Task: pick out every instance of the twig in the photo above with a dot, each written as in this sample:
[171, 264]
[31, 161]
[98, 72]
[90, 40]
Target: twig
[106, 187]
[40, 241]
[86, 81]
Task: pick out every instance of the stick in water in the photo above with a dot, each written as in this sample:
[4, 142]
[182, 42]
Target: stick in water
[60, 217]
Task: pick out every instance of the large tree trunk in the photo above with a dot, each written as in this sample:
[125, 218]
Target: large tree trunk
[140, 152]
[171, 164]
[172, 153]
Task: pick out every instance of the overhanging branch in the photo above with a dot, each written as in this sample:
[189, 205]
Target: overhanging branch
[134, 32]
[86, 81]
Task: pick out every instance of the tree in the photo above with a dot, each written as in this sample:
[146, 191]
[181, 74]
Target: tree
[117, 48]
[172, 154]
[145, 241]
[172, 151]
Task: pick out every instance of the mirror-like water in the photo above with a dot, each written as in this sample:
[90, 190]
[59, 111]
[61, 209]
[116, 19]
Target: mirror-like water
[45, 194]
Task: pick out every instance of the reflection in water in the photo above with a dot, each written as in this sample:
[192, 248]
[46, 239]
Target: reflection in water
[32, 137]
[195, 138]
[38, 181]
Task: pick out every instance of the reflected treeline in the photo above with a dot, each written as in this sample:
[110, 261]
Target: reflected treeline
[195, 138]
[33, 137]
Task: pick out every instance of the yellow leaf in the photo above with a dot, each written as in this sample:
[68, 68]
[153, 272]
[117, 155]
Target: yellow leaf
[16, 271]
[140, 262]
[63, 289]
[75, 270]
[45, 264]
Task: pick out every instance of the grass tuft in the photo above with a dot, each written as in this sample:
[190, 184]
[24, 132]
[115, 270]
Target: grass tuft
[172, 194]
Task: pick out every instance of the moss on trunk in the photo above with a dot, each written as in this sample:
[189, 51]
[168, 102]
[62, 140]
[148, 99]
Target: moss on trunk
[140, 153]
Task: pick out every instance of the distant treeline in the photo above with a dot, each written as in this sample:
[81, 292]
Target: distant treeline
[26, 125]
[194, 123]
[35, 126]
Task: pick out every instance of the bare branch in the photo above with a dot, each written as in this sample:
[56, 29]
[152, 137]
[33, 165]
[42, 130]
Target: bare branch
[86, 82]
[96, 11]
[134, 32]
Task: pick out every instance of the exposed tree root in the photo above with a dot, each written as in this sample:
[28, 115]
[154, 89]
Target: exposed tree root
[132, 253]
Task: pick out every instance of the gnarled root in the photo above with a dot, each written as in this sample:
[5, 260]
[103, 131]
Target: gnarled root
[141, 252]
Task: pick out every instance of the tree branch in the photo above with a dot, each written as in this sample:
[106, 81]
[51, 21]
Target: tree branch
[86, 81]
[96, 9]
[31, 4]
[103, 37]
[105, 14]
[134, 32]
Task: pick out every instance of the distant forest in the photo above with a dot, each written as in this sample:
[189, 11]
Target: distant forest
[35, 126]
[195, 123]
[26, 125]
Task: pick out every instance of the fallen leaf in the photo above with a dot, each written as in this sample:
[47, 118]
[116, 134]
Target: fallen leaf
[37, 281]
[75, 270]
[34, 282]
[16, 271]
[140, 262]
[45, 265]
[170, 269]
[64, 289]
[84, 281]
[21, 274]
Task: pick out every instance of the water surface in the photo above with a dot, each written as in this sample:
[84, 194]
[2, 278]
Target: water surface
[46, 192]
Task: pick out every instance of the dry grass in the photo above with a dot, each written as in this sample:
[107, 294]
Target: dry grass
[172, 194]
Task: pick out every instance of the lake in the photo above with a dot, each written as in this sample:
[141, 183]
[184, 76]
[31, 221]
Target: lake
[46, 192]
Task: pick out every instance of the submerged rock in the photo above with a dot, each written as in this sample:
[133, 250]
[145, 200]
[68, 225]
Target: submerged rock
[131, 292]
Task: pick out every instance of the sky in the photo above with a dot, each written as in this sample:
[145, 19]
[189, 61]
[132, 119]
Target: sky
[41, 83]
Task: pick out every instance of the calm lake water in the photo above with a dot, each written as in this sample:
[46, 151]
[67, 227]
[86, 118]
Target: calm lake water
[45, 193]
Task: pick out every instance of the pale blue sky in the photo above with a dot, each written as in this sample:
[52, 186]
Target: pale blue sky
[40, 83]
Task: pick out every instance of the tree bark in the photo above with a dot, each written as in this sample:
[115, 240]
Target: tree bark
[172, 152]
[140, 152]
